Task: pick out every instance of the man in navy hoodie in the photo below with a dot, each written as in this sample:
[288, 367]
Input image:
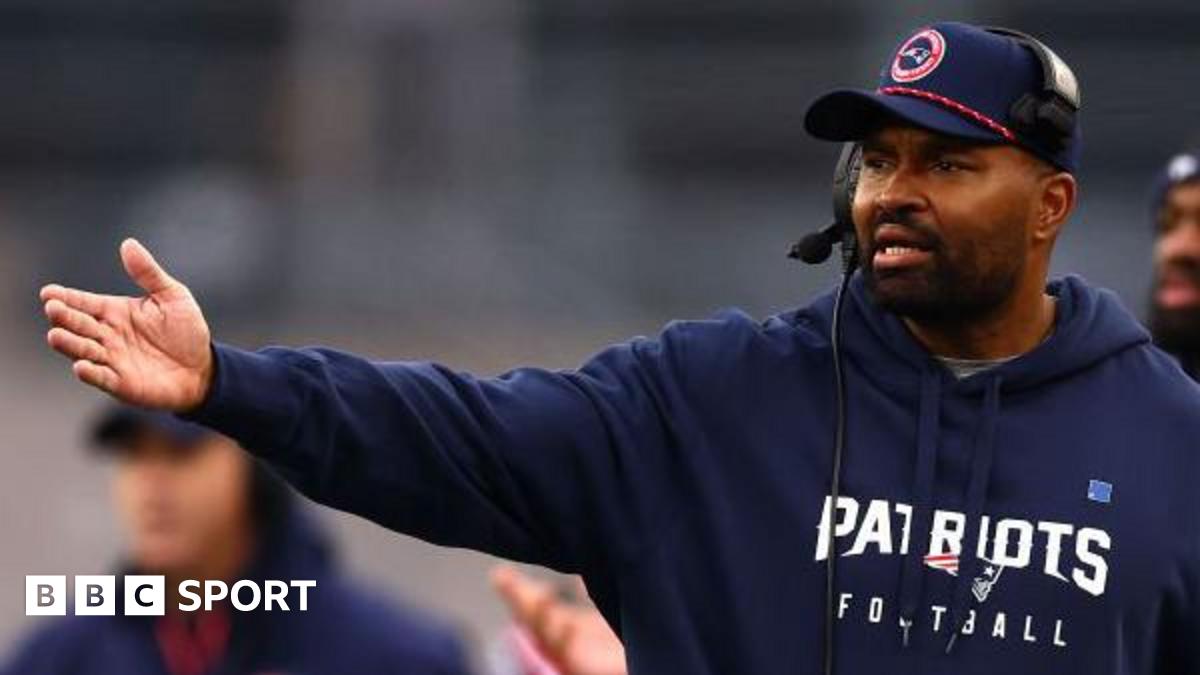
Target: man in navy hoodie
[194, 506]
[1019, 479]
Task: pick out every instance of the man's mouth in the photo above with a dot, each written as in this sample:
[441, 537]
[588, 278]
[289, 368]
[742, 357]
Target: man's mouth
[899, 257]
[1178, 283]
[1177, 291]
[898, 248]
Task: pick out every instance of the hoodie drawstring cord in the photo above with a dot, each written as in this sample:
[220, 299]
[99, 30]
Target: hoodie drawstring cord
[928, 423]
[981, 469]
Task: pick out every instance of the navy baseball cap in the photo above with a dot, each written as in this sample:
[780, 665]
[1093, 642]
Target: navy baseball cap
[118, 425]
[956, 79]
[1182, 168]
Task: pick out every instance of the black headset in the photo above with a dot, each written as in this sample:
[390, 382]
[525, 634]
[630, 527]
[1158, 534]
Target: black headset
[816, 247]
[1046, 118]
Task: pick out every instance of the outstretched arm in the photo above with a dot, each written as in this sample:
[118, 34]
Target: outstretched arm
[566, 469]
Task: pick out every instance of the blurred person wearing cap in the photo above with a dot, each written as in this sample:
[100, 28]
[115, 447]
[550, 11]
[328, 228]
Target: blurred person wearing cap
[1175, 300]
[1017, 482]
[193, 505]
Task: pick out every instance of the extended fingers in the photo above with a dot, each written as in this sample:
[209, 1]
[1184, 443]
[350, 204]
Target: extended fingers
[75, 321]
[99, 376]
[555, 629]
[522, 594]
[75, 346]
[537, 606]
[90, 303]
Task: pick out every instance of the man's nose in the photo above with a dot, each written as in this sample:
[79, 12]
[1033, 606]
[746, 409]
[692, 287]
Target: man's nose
[900, 193]
[1181, 241]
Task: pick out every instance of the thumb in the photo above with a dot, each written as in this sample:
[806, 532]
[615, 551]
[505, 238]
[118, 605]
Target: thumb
[142, 267]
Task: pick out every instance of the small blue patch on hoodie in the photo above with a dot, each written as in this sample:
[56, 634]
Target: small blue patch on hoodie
[1099, 491]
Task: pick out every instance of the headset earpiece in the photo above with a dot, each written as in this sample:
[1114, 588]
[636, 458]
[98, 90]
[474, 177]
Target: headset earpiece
[845, 184]
[1048, 117]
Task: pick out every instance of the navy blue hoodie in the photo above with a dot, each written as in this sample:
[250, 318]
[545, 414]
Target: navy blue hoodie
[344, 630]
[1047, 508]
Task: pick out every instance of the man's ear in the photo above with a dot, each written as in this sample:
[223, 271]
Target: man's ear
[1056, 201]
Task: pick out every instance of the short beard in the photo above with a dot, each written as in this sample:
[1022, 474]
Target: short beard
[1176, 330]
[947, 292]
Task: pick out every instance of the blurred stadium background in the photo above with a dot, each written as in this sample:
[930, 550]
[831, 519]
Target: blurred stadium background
[482, 182]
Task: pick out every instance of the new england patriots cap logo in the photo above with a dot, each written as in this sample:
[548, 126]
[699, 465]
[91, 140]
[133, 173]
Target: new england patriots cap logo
[919, 56]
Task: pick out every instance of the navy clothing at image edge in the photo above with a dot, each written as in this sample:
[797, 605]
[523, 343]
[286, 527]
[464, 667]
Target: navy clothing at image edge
[685, 478]
[346, 629]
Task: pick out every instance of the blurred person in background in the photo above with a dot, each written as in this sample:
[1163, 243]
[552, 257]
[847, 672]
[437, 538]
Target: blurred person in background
[195, 506]
[1175, 300]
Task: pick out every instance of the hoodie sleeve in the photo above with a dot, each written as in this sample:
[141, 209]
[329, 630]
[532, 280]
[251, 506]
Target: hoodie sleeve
[545, 467]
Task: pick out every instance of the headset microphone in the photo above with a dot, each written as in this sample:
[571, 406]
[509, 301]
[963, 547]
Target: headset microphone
[816, 247]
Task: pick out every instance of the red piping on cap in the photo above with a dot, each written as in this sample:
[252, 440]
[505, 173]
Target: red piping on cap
[955, 106]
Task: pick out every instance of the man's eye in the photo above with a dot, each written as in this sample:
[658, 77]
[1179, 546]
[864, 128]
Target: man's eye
[947, 165]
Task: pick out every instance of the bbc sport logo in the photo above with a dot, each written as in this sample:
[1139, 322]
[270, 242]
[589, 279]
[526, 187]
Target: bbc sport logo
[145, 595]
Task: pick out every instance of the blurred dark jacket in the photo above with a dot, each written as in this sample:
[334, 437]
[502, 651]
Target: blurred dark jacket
[344, 630]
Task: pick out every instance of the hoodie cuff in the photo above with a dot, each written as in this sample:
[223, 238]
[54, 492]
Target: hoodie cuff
[249, 399]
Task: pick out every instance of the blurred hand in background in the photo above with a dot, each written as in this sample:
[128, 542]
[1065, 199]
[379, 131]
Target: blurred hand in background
[569, 632]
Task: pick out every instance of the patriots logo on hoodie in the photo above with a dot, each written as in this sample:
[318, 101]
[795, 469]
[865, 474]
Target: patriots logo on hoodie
[1063, 551]
[982, 586]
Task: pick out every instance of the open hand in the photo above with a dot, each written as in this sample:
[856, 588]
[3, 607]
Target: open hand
[152, 351]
